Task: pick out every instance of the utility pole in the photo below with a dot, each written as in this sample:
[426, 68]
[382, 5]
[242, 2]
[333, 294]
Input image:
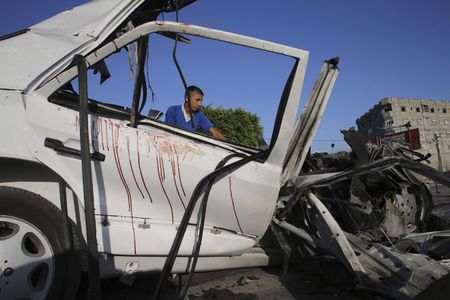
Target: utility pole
[438, 150]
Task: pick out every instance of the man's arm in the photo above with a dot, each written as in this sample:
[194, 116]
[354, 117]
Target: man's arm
[206, 126]
[216, 133]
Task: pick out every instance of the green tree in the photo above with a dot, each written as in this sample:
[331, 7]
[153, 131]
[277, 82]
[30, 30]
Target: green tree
[238, 126]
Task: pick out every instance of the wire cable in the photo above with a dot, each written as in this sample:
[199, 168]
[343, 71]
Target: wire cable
[180, 72]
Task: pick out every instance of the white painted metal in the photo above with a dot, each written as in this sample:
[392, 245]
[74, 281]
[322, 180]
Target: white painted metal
[334, 238]
[115, 265]
[14, 126]
[308, 123]
[20, 260]
[149, 162]
[33, 57]
[297, 231]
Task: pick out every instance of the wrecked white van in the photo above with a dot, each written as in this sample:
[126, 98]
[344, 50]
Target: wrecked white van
[83, 178]
[144, 171]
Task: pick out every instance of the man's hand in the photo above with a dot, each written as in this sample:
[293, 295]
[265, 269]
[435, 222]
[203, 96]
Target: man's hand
[216, 134]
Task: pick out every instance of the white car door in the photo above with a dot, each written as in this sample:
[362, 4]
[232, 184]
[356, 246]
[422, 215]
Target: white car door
[149, 173]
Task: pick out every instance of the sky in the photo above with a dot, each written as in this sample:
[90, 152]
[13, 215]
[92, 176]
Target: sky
[387, 48]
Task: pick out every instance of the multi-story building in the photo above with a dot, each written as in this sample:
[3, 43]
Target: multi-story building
[430, 117]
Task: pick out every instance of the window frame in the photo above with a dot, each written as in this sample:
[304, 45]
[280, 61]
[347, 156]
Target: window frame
[287, 106]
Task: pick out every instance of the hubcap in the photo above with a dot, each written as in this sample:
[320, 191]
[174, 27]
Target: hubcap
[26, 261]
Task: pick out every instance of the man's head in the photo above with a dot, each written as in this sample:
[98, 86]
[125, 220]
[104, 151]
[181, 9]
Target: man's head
[195, 95]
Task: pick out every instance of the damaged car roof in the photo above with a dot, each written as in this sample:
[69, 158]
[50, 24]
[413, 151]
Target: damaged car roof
[27, 55]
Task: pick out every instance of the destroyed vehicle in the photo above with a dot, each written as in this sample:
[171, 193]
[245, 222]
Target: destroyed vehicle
[372, 210]
[89, 185]
[143, 171]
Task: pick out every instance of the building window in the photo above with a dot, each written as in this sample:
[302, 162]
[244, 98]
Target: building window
[403, 108]
[391, 122]
[387, 107]
[446, 122]
[417, 109]
[444, 110]
[425, 108]
[419, 122]
[432, 109]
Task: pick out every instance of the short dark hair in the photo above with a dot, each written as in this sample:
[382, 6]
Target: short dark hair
[192, 88]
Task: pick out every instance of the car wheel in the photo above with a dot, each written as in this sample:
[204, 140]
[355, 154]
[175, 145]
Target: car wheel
[36, 262]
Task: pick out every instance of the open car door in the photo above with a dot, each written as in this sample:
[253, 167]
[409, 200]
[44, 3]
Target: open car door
[149, 173]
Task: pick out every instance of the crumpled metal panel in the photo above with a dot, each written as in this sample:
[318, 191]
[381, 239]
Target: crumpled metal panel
[50, 44]
[26, 56]
[401, 210]
[80, 20]
[373, 216]
[309, 120]
[399, 275]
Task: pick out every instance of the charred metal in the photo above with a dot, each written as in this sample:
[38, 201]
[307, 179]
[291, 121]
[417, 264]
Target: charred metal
[372, 210]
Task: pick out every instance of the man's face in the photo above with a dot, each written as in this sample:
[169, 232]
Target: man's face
[196, 101]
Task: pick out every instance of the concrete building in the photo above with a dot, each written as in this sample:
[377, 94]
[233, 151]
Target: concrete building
[431, 117]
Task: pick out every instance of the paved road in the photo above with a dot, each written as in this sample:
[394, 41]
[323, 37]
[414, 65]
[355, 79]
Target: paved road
[249, 284]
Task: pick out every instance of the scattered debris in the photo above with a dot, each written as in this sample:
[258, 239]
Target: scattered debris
[372, 210]
[246, 279]
[225, 294]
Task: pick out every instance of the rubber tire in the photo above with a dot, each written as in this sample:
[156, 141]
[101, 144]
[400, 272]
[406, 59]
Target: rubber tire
[51, 222]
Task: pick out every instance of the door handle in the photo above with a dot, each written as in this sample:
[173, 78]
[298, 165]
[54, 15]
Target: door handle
[59, 147]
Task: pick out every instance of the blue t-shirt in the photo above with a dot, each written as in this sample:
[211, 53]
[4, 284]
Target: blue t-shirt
[175, 116]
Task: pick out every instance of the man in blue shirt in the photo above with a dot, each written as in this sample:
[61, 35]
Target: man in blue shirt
[180, 115]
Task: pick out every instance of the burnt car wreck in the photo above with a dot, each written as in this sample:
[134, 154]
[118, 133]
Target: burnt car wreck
[88, 185]
[373, 212]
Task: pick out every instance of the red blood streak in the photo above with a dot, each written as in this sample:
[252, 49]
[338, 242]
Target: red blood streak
[139, 164]
[131, 167]
[162, 185]
[179, 172]
[172, 162]
[115, 138]
[163, 171]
